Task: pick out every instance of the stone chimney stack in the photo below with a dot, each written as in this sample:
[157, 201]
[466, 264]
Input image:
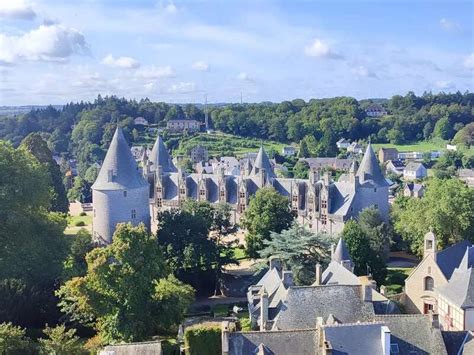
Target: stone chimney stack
[263, 310]
[319, 274]
[385, 339]
[287, 278]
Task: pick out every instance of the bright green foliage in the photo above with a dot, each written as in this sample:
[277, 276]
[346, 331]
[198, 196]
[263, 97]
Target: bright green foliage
[125, 293]
[60, 341]
[364, 257]
[300, 250]
[465, 135]
[378, 231]
[301, 169]
[268, 211]
[446, 208]
[80, 191]
[203, 340]
[75, 264]
[38, 147]
[14, 341]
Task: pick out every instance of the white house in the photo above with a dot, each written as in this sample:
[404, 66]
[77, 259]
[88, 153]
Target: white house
[451, 147]
[375, 111]
[414, 171]
[343, 143]
[355, 148]
[288, 151]
[410, 155]
[140, 121]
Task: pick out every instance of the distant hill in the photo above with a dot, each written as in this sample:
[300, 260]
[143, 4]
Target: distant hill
[17, 110]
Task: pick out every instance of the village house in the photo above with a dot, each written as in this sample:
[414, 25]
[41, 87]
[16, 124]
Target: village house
[140, 121]
[386, 154]
[414, 171]
[432, 272]
[467, 175]
[375, 110]
[199, 154]
[343, 143]
[395, 167]
[288, 151]
[355, 148]
[413, 189]
[183, 125]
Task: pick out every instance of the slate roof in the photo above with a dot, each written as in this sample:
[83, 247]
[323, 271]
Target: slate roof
[336, 163]
[160, 156]
[414, 333]
[119, 160]
[341, 253]
[355, 339]
[262, 162]
[413, 166]
[304, 304]
[454, 341]
[414, 187]
[369, 169]
[336, 274]
[450, 258]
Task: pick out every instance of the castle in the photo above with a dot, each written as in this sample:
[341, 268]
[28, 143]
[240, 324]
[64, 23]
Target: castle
[123, 193]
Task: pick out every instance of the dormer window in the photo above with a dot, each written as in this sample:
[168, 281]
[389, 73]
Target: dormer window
[125, 193]
[134, 214]
[242, 194]
[324, 203]
[182, 191]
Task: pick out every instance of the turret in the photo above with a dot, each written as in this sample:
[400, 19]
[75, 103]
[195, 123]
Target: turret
[120, 193]
[342, 256]
[159, 156]
[262, 165]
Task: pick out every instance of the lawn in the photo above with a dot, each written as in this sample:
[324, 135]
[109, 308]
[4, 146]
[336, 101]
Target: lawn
[422, 146]
[395, 279]
[74, 220]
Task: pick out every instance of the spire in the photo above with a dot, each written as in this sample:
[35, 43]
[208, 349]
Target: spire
[119, 170]
[467, 261]
[262, 162]
[341, 253]
[369, 170]
[159, 156]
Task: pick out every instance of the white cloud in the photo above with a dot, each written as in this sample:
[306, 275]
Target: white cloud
[243, 76]
[363, 71]
[320, 49]
[449, 25]
[16, 9]
[149, 86]
[469, 61]
[171, 8]
[154, 72]
[182, 88]
[46, 43]
[200, 66]
[444, 84]
[121, 62]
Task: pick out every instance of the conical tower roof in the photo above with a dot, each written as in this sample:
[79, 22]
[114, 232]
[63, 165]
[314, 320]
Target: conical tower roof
[159, 156]
[369, 169]
[341, 253]
[119, 170]
[262, 162]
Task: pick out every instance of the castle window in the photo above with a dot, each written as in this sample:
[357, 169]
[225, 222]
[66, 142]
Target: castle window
[242, 195]
[134, 214]
[324, 219]
[241, 208]
[202, 193]
[125, 193]
[429, 283]
[222, 193]
[159, 189]
[294, 198]
[159, 202]
[324, 204]
[182, 191]
[429, 269]
[429, 245]
[375, 189]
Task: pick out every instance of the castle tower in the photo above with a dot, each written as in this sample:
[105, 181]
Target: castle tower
[159, 156]
[262, 165]
[342, 256]
[119, 194]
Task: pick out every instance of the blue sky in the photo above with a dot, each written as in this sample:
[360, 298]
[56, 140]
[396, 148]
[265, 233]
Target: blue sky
[178, 51]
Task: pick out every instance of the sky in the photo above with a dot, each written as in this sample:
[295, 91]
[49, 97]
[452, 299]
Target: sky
[54, 52]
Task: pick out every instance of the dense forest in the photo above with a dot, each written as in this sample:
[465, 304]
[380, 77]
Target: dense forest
[83, 130]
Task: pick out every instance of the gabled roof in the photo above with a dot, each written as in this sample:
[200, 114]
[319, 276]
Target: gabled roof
[341, 253]
[336, 274]
[454, 341]
[450, 258]
[262, 162]
[160, 156]
[413, 166]
[355, 339]
[119, 170]
[369, 169]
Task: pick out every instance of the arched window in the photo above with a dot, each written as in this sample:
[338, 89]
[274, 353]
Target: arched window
[429, 283]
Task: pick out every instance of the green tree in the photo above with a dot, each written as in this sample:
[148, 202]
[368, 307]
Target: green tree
[13, 340]
[38, 147]
[443, 129]
[268, 211]
[125, 292]
[60, 341]
[75, 264]
[365, 258]
[378, 231]
[300, 250]
[301, 169]
[446, 208]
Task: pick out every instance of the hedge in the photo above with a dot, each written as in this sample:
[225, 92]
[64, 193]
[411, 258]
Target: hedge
[203, 340]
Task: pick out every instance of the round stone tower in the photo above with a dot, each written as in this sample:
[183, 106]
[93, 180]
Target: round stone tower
[120, 193]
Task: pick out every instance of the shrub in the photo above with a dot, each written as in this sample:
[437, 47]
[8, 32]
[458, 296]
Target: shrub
[80, 224]
[61, 341]
[203, 340]
[82, 214]
[13, 340]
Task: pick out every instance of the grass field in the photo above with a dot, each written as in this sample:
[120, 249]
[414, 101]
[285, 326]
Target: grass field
[396, 279]
[73, 221]
[423, 146]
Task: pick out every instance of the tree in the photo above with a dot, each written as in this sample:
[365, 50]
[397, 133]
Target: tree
[75, 264]
[365, 258]
[300, 250]
[268, 211]
[13, 340]
[446, 208]
[125, 293]
[60, 341]
[301, 169]
[38, 147]
[465, 135]
[377, 230]
[81, 191]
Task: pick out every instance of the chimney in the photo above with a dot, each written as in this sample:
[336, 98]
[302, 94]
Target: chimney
[263, 310]
[385, 340]
[287, 278]
[275, 263]
[319, 275]
[367, 293]
[225, 337]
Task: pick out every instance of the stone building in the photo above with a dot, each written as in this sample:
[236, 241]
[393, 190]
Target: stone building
[199, 154]
[432, 272]
[119, 194]
[386, 154]
[319, 202]
[183, 125]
